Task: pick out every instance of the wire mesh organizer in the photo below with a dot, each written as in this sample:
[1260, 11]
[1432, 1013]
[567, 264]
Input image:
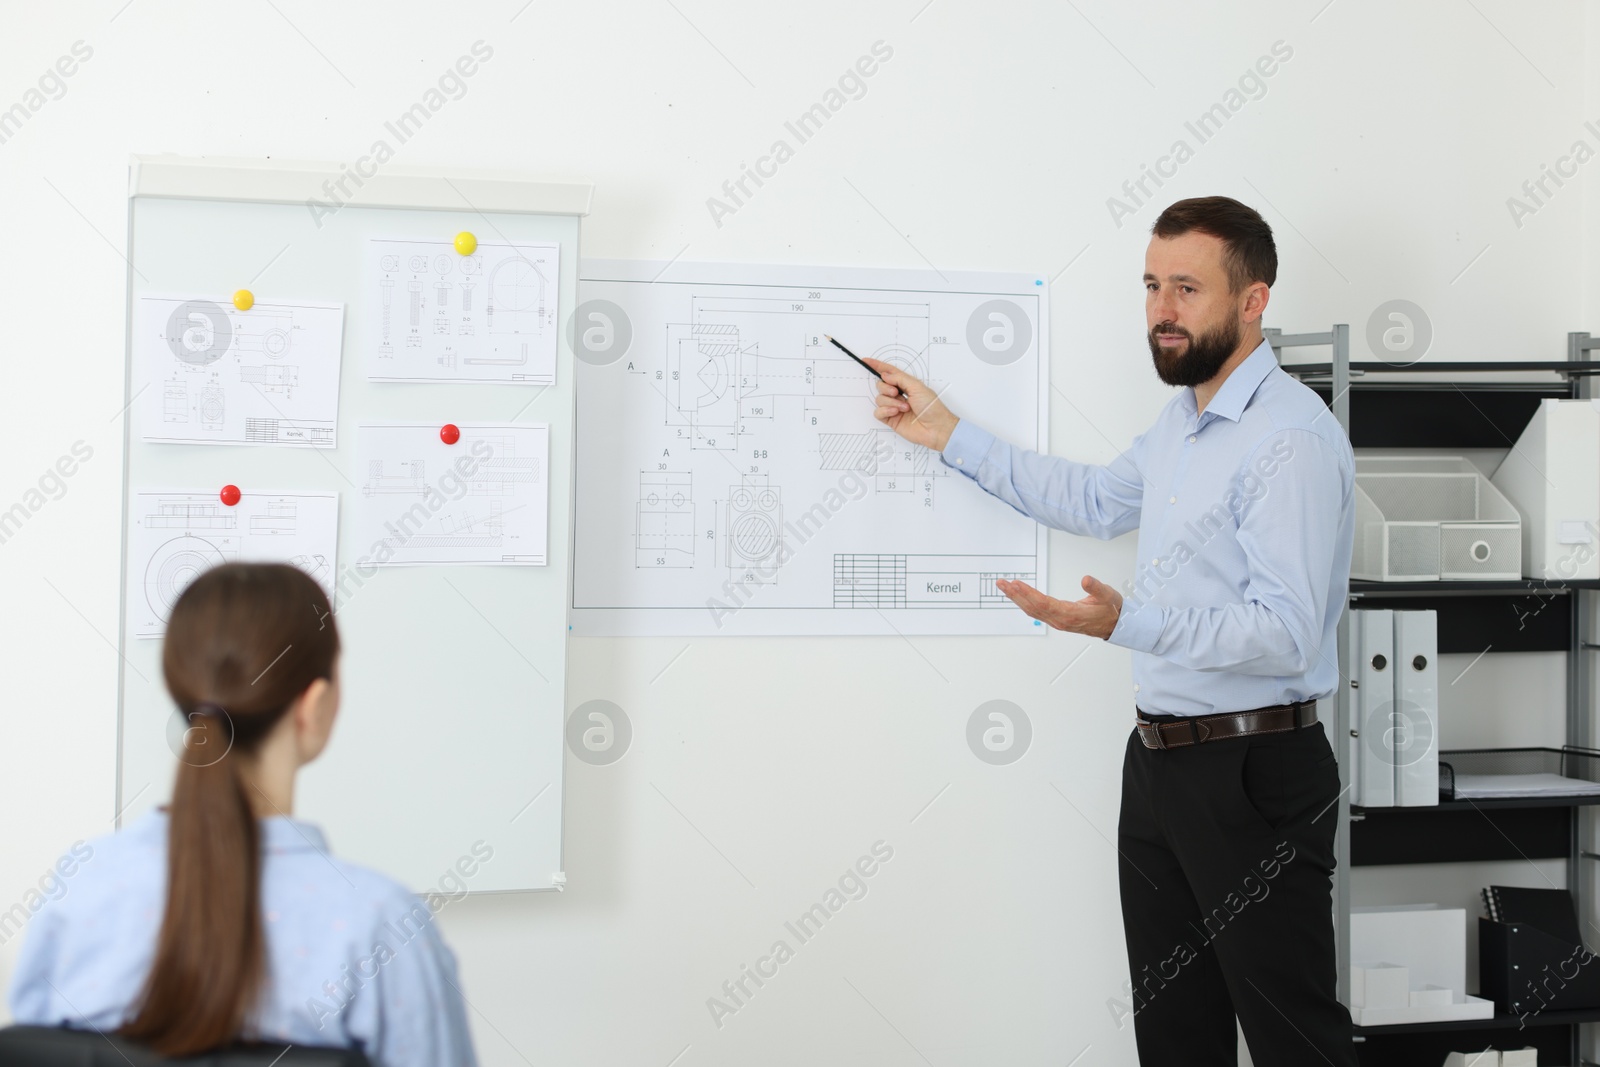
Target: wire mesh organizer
[1582, 764]
[1421, 518]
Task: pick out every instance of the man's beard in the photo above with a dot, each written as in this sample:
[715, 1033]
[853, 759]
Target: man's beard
[1201, 359]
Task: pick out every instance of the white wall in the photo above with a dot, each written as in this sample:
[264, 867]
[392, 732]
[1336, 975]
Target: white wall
[1382, 152]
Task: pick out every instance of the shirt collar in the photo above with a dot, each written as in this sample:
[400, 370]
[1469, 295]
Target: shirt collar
[1241, 385]
[279, 833]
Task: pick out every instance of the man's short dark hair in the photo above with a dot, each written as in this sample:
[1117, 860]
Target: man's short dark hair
[1249, 253]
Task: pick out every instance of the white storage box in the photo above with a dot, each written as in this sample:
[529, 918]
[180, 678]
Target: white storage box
[1429, 940]
[1552, 477]
[1427, 518]
[1425, 942]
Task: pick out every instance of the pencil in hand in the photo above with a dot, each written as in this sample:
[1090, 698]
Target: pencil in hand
[861, 361]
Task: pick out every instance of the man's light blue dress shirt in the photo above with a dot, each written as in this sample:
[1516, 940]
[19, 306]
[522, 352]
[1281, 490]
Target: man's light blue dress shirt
[86, 954]
[1245, 522]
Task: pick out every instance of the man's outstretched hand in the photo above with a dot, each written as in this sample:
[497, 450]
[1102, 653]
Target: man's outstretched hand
[1095, 615]
[919, 416]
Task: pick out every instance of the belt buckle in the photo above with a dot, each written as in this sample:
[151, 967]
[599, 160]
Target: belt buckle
[1195, 736]
[1147, 728]
[1161, 740]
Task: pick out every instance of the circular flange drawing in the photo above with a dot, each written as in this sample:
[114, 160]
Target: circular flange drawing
[211, 409]
[902, 356]
[754, 535]
[172, 567]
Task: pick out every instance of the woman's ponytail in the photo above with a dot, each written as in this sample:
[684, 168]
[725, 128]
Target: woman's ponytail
[244, 641]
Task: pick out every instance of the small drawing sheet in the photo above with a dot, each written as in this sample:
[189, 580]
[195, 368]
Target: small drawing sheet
[433, 315]
[213, 374]
[484, 499]
[175, 536]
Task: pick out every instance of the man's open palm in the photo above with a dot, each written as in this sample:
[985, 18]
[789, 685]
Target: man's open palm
[1095, 615]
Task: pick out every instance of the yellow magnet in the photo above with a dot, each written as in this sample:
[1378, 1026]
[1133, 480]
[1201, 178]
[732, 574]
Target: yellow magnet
[244, 300]
[466, 243]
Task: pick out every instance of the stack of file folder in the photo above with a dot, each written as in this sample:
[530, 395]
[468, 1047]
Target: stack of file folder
[1394, 708]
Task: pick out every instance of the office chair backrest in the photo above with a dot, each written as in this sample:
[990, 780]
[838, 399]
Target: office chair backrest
[43, 1046]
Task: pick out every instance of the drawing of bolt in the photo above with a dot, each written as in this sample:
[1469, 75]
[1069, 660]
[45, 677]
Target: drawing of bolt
[443, 292]
[466, 294]
[388, 287]
[416, 302]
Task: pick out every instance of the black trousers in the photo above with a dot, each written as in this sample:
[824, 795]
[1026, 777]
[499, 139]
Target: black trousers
[1226, 863]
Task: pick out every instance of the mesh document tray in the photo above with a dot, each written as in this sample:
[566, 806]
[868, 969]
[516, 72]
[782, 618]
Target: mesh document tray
[1424, 518]
[1582, 764]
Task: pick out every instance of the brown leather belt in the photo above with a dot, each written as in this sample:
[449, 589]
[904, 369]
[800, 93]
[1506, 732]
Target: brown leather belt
[1203, 728]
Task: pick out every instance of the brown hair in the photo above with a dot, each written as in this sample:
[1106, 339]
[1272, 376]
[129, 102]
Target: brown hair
[244, 641]
[1250, 254]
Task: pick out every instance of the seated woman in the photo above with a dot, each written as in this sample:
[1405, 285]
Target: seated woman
[221, 917]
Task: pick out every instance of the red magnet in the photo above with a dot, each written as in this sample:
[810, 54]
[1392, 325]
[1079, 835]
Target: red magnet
[449, 433]
[230, 495]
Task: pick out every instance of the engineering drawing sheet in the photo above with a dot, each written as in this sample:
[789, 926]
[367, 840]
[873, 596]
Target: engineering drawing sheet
[174, 536]
[484, 499]
[212, 374]
[731, 477]
[433, 315]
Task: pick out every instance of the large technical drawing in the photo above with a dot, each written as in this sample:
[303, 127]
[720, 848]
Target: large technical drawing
[436, 316]
[214, 374]
[176, 536]
[484, 499]
[732, 477]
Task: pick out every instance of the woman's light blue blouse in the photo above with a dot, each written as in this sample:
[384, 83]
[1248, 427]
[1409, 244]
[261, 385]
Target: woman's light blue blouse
[353, 958]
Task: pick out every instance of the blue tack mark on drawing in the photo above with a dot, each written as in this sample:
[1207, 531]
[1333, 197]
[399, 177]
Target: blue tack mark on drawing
[1036, 622]
[1038, 281]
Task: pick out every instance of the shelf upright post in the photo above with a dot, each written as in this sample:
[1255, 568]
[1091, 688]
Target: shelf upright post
[1580, 719]
[1339, 401]
[1338, 338]
[1580, 728]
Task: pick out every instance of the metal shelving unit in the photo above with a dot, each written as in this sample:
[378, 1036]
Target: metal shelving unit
[1462, 405]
